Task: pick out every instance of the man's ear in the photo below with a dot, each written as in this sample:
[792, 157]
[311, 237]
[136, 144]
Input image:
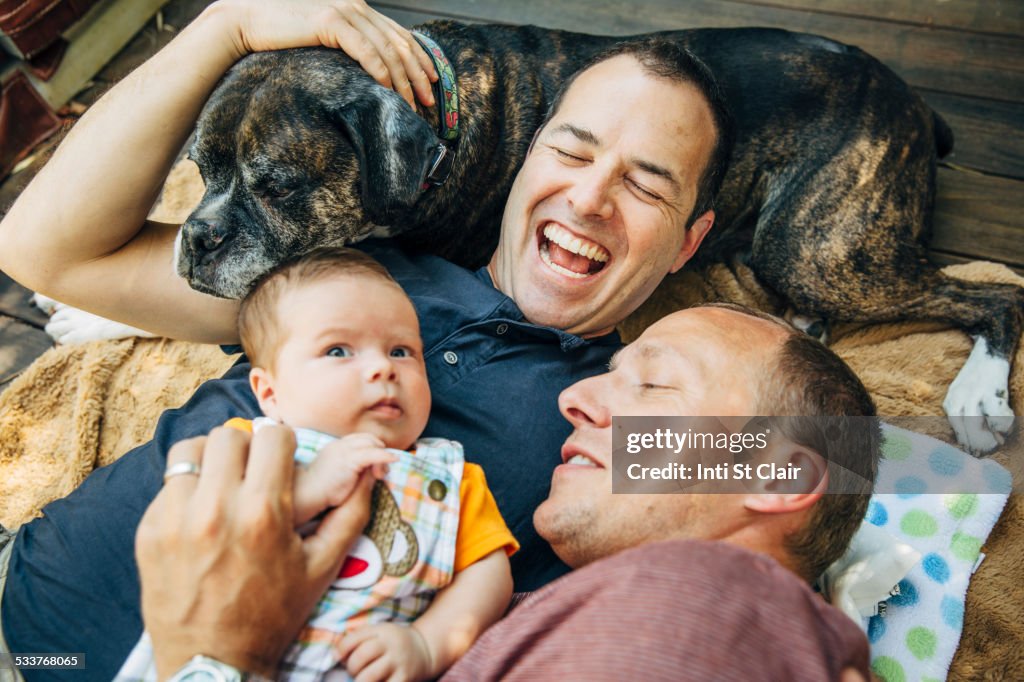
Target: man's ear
[787, 478]
[694, 236]
[262, 384]
[394, 147]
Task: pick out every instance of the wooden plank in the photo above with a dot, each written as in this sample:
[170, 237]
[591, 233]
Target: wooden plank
[940, 59]
[988, 16]
[987, 132]
[980, 216]
[941, 258]
[94, 40]
[14, 302]
[20, 345]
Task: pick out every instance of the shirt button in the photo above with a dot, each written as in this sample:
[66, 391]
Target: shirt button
[437, 490]
[502, 328]
[450, 357]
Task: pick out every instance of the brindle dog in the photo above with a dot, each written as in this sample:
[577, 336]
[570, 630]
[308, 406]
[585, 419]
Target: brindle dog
[829, 195]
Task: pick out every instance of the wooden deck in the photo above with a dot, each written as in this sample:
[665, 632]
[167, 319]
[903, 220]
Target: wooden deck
[965, 57]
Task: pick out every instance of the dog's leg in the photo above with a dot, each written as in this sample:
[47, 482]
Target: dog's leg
[851, 251]
[69, 325]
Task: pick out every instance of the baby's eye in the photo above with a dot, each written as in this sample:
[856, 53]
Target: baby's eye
[339, 352]
[401, 352]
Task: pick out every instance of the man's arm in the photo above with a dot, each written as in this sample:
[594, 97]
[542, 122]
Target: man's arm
[78, 232]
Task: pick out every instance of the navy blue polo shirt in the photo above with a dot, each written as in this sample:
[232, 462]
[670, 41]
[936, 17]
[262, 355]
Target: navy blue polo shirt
[73, 586]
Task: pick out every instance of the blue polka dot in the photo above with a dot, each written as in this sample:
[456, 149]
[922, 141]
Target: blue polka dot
[877, 513]
[946, 461]
[998, 478]
[907, 595]
[936, 568]
[952, 613]
[910, 486]
[876, 628]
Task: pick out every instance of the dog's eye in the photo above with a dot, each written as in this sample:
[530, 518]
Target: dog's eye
[277, 192]
[339, 352]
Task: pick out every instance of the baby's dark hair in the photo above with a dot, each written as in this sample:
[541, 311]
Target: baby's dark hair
[259, 325]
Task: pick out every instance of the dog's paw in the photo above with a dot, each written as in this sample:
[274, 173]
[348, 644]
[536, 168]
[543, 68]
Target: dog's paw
[816, 327]
[69, 325]
[977, 401]
[44, 303]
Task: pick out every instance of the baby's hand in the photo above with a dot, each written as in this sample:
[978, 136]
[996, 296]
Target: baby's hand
[333, 475]
[386, 651]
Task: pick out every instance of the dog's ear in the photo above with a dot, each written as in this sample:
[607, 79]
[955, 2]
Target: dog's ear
[394, 147]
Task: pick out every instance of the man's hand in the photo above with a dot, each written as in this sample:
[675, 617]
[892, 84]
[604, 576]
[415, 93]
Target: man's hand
[387, 51]
[223, 572]
[336, 471]
[386, 651]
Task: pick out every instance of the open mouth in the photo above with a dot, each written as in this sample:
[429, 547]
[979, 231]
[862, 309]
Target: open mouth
[569, 254]
[576, 458]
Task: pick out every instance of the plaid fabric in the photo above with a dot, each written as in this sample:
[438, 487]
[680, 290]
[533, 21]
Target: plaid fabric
[414, 481]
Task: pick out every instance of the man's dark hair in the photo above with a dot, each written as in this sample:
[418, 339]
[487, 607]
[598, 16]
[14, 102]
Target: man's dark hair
[813, 398]
[664, 59]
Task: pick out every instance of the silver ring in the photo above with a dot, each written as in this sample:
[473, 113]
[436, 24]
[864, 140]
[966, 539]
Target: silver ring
[181, 469]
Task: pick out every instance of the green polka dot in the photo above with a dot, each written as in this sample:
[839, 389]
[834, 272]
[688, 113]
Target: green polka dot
[918, 524]
[930, 679]
[921, 642]
[964, 546]
[961, 506]
[888, 669]
[896, 446]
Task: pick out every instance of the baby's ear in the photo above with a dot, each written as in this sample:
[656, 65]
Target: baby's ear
[262, 383]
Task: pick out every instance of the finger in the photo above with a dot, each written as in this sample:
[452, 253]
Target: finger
[364, 458]
[365, 653]
[182, 486]
[388, 49]
[271, 468]
[353, 639]
[381, 668]
[223, 461]
[327, 547]
[417, 65]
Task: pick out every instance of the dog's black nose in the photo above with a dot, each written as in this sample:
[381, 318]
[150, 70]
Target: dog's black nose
[205, 237]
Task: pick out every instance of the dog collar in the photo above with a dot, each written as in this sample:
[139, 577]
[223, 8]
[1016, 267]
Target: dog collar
[446, 94]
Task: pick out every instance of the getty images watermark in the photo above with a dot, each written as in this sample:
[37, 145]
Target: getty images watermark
[793, 454]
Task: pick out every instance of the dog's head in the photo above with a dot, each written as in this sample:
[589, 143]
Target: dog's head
[298, 149]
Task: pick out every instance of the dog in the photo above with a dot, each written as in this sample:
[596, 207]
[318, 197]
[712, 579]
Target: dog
[828, 199]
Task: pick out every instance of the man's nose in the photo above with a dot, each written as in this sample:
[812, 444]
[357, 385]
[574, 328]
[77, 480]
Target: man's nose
[591, 193]
[583, 403]
[379, 367]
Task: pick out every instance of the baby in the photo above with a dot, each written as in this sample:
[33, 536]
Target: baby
[336, 353]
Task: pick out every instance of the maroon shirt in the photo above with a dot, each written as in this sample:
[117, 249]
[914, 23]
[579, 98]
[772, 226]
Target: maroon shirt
[679, 610]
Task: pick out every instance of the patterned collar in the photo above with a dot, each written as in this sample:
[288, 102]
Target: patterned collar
[446, 93]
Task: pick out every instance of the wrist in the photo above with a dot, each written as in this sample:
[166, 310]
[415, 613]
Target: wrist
[427, 654]
[222, 21]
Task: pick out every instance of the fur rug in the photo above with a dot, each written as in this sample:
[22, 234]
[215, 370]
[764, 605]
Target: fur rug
[81, 407]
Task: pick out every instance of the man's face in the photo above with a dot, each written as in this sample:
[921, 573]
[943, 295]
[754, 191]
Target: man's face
[699, 362]
[597, 215]
[351, 361]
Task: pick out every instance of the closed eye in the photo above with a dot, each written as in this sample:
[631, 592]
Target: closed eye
[562, 154]
[643, 190]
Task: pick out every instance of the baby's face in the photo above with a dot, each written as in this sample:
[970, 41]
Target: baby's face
[351, 361]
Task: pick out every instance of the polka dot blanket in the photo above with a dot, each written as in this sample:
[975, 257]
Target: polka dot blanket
[917, 633]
